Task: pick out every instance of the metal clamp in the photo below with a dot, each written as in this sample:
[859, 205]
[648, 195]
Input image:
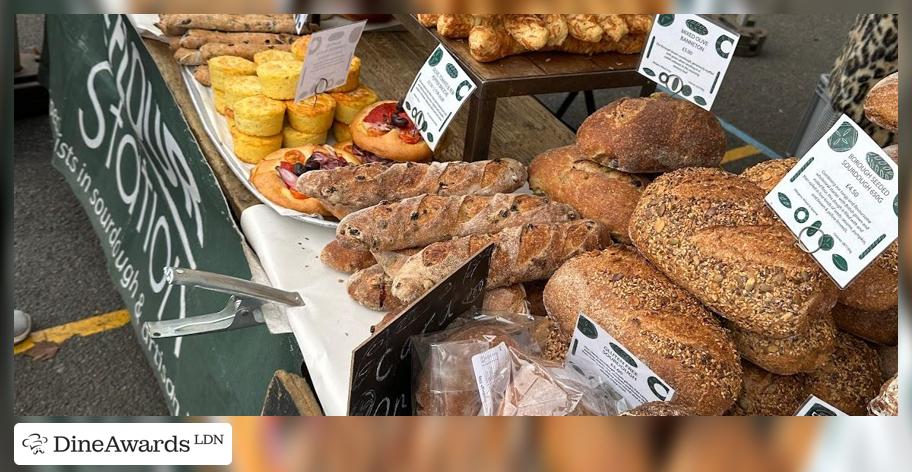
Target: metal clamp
[244, 308]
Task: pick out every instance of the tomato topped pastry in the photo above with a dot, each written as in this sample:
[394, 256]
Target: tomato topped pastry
[386, 130]
[275, 176]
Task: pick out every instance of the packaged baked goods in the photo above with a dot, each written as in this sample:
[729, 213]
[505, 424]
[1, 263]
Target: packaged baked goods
[341, 132]
[313, 114]
[222, 67]
[272, 55]
[384, 129]
[353, 79]
[252, 149]
[294, 138]
[880, 327]
[279, 79]
[886, 403]
[758, 279]
[596, 192]
[806, 351]
[767, 394]
[850, 378]
[239, 87]
[658, 322]
[881, 106]
[349, 104]
[259, 116]
[652, 134]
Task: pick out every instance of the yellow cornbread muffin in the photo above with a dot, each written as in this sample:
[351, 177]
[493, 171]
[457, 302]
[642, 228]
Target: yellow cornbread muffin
[259, 116]
[309, 116]
[240, 87]
[341, 132]
[348, 104]
[353, 79]
[294, 138]
[222, 67]
[270, 55]
[218, 97]
[299, 47]
[252, 149]
[279, 79]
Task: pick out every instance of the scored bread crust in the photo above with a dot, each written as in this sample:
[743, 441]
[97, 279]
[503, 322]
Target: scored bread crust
[660, 323]
[768, 394]
[881, 106]
[652, 134]
[757, 278]
[597, 192]
[388, 144]
[343, 259]
[803, 352]
[881, 327]
[850, 378]
[266, 179]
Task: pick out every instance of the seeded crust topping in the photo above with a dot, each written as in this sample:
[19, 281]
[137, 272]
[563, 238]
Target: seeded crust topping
[804, 352]
[850, 378]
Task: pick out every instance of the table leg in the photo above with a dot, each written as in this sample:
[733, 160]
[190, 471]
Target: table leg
[478, 129]
[590, 101]
[648, 88]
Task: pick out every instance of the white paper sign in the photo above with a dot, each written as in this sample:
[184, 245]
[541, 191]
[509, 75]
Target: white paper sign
[841, 200]
[817, 407]
[689, 55]
[597, 355]
[439, 89]
[329, 55]
[489, 367]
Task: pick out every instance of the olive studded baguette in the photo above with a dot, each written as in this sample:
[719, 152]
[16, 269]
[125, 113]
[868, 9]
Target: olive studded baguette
[521, 254]
[419, 221]
[347, 189]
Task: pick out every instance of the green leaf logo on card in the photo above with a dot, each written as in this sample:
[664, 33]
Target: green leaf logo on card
[879, 166]
[436, 57]
[587, 328]
[844, 138]
[649, 72]
[896, 205]
[700, 100]
[451, 71]
[840, 263]
[697, 27]
[784, 200]
[666, 20]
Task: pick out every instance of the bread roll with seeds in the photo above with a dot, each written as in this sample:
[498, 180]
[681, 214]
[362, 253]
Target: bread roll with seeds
[658, 322]
[886, 403]
[803, 352]
[768, 394]
[758, 279]
[879, 327]
[342, 259]
[881, 106]
[348, 189]
[419, 221]
[850, 378]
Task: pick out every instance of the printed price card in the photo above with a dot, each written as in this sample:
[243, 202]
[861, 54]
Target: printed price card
[439, 89]
[688, 55]
[329, 55]
[817, 407]
[841, 201]
[597, 355]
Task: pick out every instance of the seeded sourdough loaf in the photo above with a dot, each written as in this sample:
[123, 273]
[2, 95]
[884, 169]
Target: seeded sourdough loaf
[850, 378]
[521, 254]
[803, 352]
[661, 409]
[419, 221]
[596, 192]
[712, 234]
[768, 394]
[347, 189]
[882, 103]
[658, 322]
[880, 327]
[652, 134]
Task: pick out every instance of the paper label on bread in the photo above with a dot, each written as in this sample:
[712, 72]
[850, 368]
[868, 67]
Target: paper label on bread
[490, 369]
[600, 357]
[841, 201]
[817, 407]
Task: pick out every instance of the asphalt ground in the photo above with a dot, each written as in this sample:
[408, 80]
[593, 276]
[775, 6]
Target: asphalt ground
[60, 274]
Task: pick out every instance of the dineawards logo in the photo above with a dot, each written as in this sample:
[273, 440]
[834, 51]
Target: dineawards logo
[122, 443]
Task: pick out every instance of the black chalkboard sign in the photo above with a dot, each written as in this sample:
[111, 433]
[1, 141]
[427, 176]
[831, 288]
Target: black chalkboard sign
[382, 365]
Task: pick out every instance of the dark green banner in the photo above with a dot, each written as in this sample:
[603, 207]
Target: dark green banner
[127, 152]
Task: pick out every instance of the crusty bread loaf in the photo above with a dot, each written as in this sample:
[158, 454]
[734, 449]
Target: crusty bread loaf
[661, 409]
[371, 289]
[419, 221]
[521, 254]
[882, 103]
[343, 259]
[711, 233]
[347, 189]
[535, 293]
[652, 134]
[596, 192]
[196, 38]
[767, 174]
[658, 322]
[804, 352]
[881, 327]
[886, 403]
[850, 378]
[892, 151]
[768, 394]
[278, 23]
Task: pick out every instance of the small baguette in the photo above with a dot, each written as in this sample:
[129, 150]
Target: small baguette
[804, 352]
[247, 51]
[419, 221]
[370, 288]
[196, 38]
[348, 189]
[521, 254]
[343, 259]
[281, 23]
[201, 74]
[509, 299]
[188, 57]
[850, 378]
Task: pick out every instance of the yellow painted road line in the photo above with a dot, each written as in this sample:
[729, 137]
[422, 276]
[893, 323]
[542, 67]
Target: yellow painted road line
[84, 327]
[739, 153]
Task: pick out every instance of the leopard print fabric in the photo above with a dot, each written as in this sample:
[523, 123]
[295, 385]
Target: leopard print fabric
[871, 53]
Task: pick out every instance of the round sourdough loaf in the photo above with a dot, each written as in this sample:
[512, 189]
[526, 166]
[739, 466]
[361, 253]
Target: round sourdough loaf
[850, 378]
[803, 352]
[711, 233]
[652, 134]
[596, 192]
[661, 409]
[767, 174]
[658, 322]
[882, 103]
[768, 394]
[881, 327]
